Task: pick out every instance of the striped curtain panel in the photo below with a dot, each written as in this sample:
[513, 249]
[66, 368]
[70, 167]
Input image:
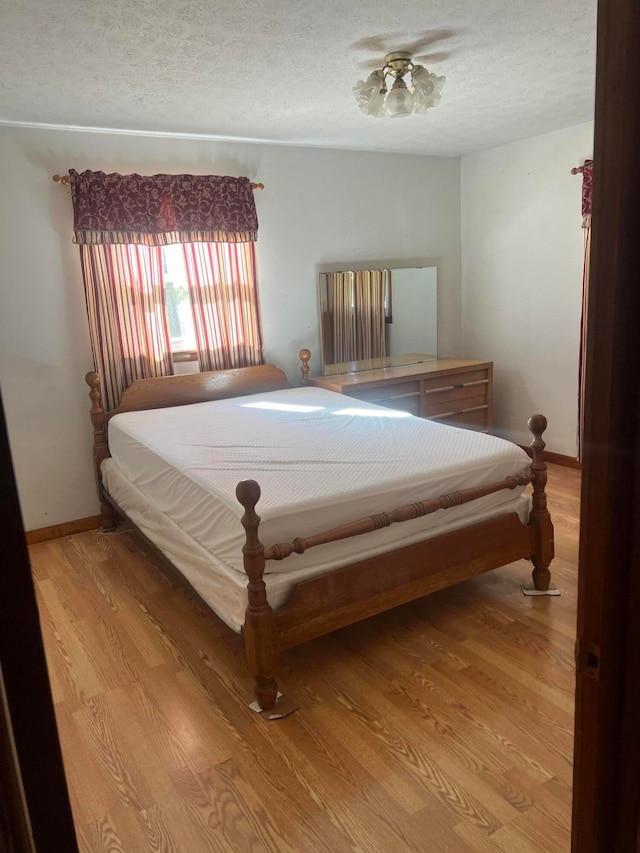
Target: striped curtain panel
[369, 290]
[340, 308]
[223, 291]
[127, 315]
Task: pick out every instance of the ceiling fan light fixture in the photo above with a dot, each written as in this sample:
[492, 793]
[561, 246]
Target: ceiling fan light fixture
[375, 99]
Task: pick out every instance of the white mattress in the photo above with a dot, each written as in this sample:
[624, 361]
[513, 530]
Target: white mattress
[321, 460]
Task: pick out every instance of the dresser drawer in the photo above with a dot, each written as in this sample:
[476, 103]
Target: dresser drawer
[454, 406]
[409, 403]
[473, 418]
[386, 393]
[402, 396]
[448, 390]
[454, 380]
[453, 399]
[460, 399]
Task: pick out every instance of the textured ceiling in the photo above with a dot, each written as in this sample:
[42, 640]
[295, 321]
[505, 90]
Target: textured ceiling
[282, 71]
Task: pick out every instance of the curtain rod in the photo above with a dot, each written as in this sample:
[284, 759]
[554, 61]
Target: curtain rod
[577, 170]
[66, 180]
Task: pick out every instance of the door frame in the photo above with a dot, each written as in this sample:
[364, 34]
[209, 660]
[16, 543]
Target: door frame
[35, 813]
[606, 799]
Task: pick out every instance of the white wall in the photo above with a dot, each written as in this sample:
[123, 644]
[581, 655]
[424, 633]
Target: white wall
[319, 206]
[522, 251]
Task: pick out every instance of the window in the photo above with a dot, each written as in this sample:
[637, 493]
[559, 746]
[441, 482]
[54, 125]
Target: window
[180, 316]
[150, 305]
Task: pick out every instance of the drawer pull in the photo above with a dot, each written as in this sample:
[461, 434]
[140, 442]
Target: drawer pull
[380, 400]
[459, 412]
[472, 409]
[437, 390]
[451, 387]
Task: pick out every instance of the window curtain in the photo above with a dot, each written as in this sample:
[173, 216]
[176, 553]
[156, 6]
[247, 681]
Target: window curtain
[587, 182]
[340, 308]
[127, 316]
[120, 222]
[160, 209]
[369, 293]
[223, 294]
[356, 306]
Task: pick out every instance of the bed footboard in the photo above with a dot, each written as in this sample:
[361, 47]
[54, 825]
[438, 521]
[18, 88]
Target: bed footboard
[354, 592]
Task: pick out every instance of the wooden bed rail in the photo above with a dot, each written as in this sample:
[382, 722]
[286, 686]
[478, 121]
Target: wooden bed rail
[386, 519]
[248, 494]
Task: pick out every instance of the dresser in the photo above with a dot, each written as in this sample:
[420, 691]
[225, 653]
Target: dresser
[451, 390]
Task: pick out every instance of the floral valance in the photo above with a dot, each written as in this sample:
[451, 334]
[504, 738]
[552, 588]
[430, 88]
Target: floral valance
[587, 183]
[159, 209]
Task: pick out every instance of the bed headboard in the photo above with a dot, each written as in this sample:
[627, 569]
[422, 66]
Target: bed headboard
[199, 387]
[178, 391]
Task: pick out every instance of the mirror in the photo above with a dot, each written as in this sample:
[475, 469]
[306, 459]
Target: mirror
[376, 318]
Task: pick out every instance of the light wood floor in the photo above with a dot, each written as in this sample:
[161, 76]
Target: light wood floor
[445, 725]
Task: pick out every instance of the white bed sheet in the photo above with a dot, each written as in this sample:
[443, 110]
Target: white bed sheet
[187, 461]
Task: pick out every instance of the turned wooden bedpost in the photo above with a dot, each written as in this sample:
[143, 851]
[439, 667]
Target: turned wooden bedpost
[100, 446]
[260, 636]
[305, 356]
[539, 516]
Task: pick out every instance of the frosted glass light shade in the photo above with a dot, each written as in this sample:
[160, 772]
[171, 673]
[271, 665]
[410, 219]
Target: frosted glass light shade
[399, 103]
[427, 89]
[368, 95]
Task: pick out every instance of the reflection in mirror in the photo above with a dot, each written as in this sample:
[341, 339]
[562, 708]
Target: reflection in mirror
[377, 318]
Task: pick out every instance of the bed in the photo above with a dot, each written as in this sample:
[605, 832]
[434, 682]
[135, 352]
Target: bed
[363, 508]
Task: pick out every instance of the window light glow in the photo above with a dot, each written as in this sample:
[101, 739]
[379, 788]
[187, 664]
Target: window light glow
[179, 314]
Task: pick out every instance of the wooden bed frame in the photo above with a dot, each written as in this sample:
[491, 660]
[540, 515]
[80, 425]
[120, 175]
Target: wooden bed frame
[353, 592]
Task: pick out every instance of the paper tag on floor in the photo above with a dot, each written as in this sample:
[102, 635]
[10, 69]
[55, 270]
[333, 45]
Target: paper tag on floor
[282, 708]
[529, 589]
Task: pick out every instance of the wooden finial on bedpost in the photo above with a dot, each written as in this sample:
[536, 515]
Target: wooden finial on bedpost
[539, 515]
[305, 357]
[260, 637]
[100, 446]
